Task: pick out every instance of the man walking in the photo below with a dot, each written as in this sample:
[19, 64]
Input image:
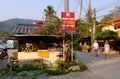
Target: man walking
[96, 48]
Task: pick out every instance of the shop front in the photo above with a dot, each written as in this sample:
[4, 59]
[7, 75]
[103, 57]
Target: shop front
[34, 47]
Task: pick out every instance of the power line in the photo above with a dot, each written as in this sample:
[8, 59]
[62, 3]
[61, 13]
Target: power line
[108, 6]
[86, 2]
[59, 6]
[77, 5]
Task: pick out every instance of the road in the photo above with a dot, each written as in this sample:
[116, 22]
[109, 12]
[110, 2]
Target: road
[104, 68]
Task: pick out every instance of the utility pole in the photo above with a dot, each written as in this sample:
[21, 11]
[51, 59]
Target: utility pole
[66, 9]
[90, 21]
[80, 9]
[66, 5]
[94, 24]
[90, 11]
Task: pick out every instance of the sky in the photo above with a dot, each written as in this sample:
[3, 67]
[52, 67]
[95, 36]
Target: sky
[34, 9]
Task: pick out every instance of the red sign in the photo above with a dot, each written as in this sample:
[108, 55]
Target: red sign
[68, 21]
[117, 26]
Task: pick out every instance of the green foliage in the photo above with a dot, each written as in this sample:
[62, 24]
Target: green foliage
[59, 61]
[27, 67]
[105, 18]
[113, 13]
[82, 29]
[56, 72]
[72, 63]
[77, 47]
[5, 34]
[59, 64]
[4, 71]
[66, 65]
[106, 35]
[49, 11]
[82, 66]
[74, 56]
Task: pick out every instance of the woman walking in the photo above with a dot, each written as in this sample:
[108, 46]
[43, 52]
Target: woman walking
[106, 49]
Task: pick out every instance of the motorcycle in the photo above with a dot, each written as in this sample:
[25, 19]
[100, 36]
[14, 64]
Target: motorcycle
[4, 54]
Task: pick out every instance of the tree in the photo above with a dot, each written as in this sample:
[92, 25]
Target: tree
[5, 34]
[49, 12]
[106, 18]
[106, 35]
[88, 17]
[113, 13]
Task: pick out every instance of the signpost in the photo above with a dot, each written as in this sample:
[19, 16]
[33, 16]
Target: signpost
[68, 24]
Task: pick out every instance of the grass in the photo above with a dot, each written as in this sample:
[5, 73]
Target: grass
[56, 72]
[36, 71]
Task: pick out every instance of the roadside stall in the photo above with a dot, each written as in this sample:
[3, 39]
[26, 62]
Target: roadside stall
[34, 47]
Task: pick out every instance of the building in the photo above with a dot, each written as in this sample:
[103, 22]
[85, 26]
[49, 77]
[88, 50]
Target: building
[113, 24]
[36, 46]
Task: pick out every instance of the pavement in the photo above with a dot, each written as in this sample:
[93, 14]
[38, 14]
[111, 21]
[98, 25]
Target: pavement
[98, 68]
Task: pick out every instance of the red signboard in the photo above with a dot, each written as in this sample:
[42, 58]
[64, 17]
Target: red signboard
[68, 21]
[117, 26]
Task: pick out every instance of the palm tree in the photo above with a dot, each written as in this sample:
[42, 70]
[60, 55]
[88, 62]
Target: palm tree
[49, 12]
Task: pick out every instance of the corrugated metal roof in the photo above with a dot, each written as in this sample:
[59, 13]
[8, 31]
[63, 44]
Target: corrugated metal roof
[23, 29]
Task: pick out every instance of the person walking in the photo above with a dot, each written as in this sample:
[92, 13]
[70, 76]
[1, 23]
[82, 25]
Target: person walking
[88, 47]
[85, 47]
[95, 48]
[106, 49]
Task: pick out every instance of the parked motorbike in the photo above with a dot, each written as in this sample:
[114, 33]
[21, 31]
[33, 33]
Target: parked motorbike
[4, 54]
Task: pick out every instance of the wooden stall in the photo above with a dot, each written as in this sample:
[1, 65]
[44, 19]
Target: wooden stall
[32, 47]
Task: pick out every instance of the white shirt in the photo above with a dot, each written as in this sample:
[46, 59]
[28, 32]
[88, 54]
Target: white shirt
[106, 47]
[95, 45]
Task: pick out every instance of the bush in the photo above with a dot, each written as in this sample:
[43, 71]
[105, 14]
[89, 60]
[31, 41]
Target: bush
[82, 66]
[77, 47]
[59, 63]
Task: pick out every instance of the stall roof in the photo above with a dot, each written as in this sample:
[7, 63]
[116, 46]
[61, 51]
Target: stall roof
[23, 29]
[36, 38]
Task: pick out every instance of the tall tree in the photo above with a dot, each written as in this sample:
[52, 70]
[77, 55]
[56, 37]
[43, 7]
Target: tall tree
[49, 12]
[5, 34]
[113, 13]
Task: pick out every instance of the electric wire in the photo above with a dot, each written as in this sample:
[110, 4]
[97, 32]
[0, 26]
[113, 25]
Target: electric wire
[109, 6]
[77, 5]
[59, 6]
